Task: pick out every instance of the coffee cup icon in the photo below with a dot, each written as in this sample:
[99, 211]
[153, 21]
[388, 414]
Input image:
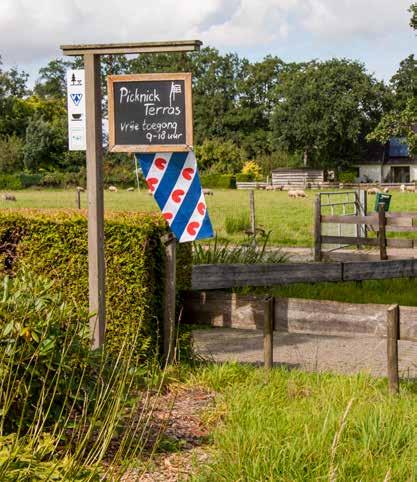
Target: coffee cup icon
[76, 116]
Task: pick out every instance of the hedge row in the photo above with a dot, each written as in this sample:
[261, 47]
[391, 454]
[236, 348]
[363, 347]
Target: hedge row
[219, 181]
[54, 243]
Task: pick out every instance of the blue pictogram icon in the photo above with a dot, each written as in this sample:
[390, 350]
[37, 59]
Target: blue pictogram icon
[76, 98]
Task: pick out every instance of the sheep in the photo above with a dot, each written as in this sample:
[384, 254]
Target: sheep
[269, 188]
[402, 188]
[386, 190]
[130, 189]
[301, 193]
[373, 190]
[278, 188]
[410, 188]
[8, 197]
[292, 194]
[208, 192]
[112, 188]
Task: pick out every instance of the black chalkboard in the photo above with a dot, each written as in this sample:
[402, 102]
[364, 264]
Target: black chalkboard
[150, 112]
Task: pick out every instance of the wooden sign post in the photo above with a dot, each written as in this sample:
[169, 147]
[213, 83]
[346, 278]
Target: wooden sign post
[96, 265]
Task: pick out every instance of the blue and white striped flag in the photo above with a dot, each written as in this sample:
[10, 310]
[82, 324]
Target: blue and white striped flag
[172, 178]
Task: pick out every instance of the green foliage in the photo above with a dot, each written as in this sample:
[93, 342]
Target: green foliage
[237, 223]
[413, 20]
[11, 154]
[325, 109]
[218, 181]
[54, 244]
[217, 156]
[52, 79]
[347, 176]
[398, 124]
[11, 182]
[36, 330]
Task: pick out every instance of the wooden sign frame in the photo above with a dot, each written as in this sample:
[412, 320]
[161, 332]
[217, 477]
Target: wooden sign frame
[188, 146]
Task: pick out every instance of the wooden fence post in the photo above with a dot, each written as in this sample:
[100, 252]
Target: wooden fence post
[393, 331]
[268, 332]
[252, 215]
[170, 243]
[78, 199]
[317, 228]
[382, 237]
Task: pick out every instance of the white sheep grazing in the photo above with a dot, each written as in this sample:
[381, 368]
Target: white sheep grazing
[112, 188]
[278, 188]
[402, 188]
[301, 193]
[410, 188]
[373, 190]
[8, 197]
[292, 194]
[269, 188]
[130, 189]
[386, 189]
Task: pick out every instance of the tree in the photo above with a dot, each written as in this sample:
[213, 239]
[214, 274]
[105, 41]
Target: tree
[413, 20]
[13, 112]
[324, 111]
[217, 156]
[52, 83]
[404, 82]
[401, 121]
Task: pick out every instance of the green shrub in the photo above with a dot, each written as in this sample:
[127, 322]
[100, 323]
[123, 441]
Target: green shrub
[347, 176]
[11, 154]
[238, 223]
[240, 177]
[54, 243]
[10, 182]
[36, 329]
[53, 179]
[29, 180]
[218, 181]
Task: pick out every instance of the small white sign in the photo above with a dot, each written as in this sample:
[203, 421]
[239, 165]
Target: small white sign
[76, 110]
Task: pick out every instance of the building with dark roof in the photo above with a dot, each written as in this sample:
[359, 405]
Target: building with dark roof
[389, 163]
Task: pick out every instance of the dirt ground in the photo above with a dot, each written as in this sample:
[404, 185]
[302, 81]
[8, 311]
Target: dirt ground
[339, 354]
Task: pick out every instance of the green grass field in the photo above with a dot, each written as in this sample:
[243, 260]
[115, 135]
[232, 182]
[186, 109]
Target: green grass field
[289, 220]
[295, 426]
[391, 291]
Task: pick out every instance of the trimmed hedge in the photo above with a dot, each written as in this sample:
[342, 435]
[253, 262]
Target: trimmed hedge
[219, 181]
[54, 243]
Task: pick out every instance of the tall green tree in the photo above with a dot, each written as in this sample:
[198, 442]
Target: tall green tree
[51, 83]
[324, 110]
[401, 121]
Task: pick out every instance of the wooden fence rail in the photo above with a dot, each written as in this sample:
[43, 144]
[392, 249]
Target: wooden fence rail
[295, 315]
[380, 222]
[221, 276]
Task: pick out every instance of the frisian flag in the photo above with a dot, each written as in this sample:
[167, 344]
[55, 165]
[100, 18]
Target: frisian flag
[172, 178]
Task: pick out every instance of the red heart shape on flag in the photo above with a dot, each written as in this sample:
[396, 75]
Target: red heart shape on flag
[168, 216]
[151, 183]
[192, 228]
[176, 195]
[201, 208]
[160, 163]
[187, 173]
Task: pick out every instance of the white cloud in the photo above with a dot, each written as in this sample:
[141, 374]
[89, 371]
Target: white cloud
[346, 19]
[32, 31]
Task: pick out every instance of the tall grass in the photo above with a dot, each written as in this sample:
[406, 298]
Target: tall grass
[237, 223]
[64, 410]
[222, 252]
[294, 426]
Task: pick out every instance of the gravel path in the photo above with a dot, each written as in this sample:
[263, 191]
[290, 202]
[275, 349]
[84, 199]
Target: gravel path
[340, 354]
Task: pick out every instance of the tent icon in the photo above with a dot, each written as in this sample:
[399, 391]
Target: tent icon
[76, 98]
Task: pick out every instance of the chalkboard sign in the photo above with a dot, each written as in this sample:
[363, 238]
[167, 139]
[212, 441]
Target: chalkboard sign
[150, 113]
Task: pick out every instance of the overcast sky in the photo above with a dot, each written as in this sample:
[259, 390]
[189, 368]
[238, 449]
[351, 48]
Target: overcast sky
[373, 31]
